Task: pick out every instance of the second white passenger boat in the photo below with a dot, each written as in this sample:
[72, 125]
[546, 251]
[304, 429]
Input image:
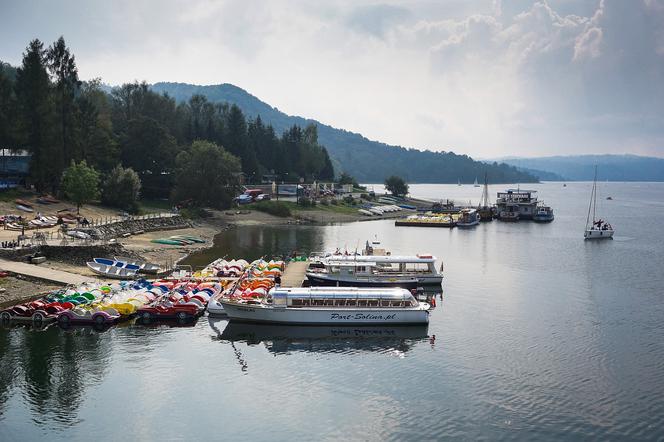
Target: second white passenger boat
[330, 305]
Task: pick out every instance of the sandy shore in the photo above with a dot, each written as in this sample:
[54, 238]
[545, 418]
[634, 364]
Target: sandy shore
[15, 289]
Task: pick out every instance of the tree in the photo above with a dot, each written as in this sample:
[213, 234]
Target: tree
[122, 189]
[98, 144]
[396, 186]
[62, 65]
[35, 117]
[7, 109]
[80, 183]
[207, 174]
[346, 178]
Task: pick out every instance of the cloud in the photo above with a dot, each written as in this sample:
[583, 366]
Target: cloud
[482, 77]
[377, 20]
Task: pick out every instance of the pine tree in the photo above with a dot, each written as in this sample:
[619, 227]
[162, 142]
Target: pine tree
[35, 116]
[62, 66]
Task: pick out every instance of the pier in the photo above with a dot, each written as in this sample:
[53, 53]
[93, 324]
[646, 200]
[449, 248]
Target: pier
[294, 274]
[45, 273]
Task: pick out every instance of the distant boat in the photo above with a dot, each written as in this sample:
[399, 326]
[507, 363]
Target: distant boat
[598, 228]
[458, 182]
[476, 184]
[564, 185]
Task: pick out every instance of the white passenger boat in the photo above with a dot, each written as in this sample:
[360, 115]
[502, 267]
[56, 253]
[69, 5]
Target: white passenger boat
[597, 228]
[330, 305]
[375, 271]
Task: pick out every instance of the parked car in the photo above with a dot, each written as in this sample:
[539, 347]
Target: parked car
[263, 197]
[244, 199]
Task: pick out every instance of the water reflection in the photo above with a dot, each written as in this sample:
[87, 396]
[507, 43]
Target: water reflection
[253, 242]
[53, 368]
[284, 339]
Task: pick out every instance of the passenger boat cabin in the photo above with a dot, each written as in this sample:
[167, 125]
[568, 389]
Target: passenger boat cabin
[341, 297]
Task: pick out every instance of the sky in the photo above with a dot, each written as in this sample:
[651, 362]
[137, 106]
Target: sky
[487, 78]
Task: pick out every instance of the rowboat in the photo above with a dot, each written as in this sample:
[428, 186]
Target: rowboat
[111, 271]
[143, 267]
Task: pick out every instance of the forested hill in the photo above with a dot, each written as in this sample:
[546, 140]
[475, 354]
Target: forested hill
[366, 160]
[610, 167]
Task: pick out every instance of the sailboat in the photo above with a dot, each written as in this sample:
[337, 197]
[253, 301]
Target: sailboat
[598, 228]
[476, 184]
[484, 208]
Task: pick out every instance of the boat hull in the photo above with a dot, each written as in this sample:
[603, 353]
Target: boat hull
[326, 316]
[406, 283]
[543, 219]
[598, 234]
[468, 225]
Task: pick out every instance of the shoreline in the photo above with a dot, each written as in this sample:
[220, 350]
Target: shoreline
[19, 289]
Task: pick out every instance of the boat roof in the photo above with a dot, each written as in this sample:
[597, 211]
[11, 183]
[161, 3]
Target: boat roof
[519, 191]
[349, 263]
[381, 259]
[342, 292]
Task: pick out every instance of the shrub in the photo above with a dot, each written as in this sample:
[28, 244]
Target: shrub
[275, 208]
[121, 189]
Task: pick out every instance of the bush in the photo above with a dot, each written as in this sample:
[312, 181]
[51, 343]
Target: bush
[334, 202]
[349, 199]
[121, 189]
[306, 202]
[325, 202]
[275, 208]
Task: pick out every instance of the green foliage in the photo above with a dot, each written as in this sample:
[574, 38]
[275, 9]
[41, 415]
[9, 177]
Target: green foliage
[348, 199]
[304, 202]
[35, 114]
[276, 208]
[122, 189]
[80, 183]
[346, 178]
[207, 174]
[396, 186]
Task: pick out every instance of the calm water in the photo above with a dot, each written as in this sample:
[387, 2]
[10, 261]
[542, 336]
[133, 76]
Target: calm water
[541, 336]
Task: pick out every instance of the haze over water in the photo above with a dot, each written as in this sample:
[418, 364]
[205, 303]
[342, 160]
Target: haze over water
[540, 336]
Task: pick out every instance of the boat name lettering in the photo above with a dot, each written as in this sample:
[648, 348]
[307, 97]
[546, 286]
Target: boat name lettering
[244, 309]
[367, 316]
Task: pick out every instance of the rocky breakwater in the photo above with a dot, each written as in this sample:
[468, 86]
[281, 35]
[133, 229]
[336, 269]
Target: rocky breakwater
[134, 226]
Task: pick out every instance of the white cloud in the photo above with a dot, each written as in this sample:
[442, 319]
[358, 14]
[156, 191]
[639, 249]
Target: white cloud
[483, 77]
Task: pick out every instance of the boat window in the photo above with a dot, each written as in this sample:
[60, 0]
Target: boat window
[417, 267]
[334, 269]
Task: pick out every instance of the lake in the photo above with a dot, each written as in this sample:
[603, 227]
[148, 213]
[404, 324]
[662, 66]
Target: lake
[540, 336]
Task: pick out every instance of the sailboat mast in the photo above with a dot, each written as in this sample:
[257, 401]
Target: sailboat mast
[595, 194]
[592, 198]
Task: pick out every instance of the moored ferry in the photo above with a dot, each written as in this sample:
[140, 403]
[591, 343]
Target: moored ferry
[375, 271]
[330, 305]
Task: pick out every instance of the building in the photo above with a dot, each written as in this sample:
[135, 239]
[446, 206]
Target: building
[14, 167]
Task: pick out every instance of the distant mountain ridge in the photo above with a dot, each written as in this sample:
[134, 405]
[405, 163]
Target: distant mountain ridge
[366, 160]
[582, 167]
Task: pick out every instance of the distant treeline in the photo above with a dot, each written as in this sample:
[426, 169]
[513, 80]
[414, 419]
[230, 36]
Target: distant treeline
[582, 167]
[46, 110]
[367, 160]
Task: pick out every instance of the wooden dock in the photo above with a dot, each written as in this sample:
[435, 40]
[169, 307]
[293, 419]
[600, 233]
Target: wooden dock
[294, 274]
[45, 273]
